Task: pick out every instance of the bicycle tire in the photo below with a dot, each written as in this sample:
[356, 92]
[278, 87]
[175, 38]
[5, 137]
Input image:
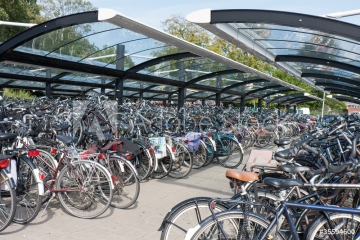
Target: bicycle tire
[183, 161]
[230, 148]
[28, 197]
[7, 202]
[80, 203]
[164, 166]
[187, 216]
[210, 151]
[319, 227]
[200, 156]
[44, 168]
[234, 217]
[126, 185]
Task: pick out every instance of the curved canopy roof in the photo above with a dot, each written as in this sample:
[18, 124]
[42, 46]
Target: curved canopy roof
[90, 50]
[309, 47]
[294, 98]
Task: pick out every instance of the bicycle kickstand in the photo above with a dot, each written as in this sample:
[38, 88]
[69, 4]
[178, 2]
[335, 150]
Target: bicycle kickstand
[47, 204]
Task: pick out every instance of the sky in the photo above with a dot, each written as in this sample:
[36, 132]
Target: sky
[153, 12]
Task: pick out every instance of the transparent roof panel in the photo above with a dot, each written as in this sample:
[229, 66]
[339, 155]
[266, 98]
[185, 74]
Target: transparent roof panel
[20, 83]
[83, 77]
[69, 87]
[285, 40]
[25, 70]
[193, 67]
[96, 43]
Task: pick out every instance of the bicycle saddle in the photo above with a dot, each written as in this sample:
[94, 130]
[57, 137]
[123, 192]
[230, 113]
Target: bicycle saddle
[242, 176]
[60, 127]
[282, 142]
[287, 153]
[317, 144]
[293, 169]
[282, 183]
[66, 139]
[7, 136]
[2, 157]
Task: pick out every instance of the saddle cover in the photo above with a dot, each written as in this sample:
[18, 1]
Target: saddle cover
[193, 140]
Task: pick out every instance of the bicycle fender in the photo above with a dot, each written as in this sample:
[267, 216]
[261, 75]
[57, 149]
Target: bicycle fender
[36, 171]
[100, 166]
[8, 175]
[179, 205]
[130, 164]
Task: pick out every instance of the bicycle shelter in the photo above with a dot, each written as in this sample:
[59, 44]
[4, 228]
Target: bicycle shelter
[319, 51]
[106, 50]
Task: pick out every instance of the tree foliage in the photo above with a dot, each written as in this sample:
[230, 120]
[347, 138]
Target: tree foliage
[24, 11]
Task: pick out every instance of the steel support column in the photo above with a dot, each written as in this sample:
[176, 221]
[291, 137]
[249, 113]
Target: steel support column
[259, 104]
[295, 110]
[119, 82]
[182, 90]
[48, 84]
[278, 107]
[242, 104]
[164, 102]
[103, 88]
[218, 96]
[203, 102]
[181, 97]
[141, 95]
[218, 85]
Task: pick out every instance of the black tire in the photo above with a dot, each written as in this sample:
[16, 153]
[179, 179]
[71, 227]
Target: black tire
[127, 185]
[229, 220]
[183, 161]
[187, 216]
[142, 162]
[165, 165]
[210, 151]
[44, 168]
[230, 147]
[27, 192]
[319, 227]
[200, 156]
[7, 203]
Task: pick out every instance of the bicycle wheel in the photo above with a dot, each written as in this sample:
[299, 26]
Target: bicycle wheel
[200, 156]
[187, 216]
[231, 223]
[127, 185]
[182, 162]
[7, 202]
[344, 226]
[88, 188]
[231, 153]
[210, 151]
[143, 161]
[28, 197]
[43, 162]
[164, 166]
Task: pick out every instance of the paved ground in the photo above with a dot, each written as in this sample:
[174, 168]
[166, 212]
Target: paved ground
[139, 222]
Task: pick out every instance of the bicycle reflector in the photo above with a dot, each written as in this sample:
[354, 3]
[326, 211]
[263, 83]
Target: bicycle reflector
[213, 204]
[53, 151]
[101, 156]
[186, 141]
[33, 153]
[128, 155]
[209, 135]
[42, 176]
[151, 151]
[4, 163]
[114, 147]
[113, 178]
[172, 149]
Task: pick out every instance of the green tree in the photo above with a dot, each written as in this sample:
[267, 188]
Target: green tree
[24, 11]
